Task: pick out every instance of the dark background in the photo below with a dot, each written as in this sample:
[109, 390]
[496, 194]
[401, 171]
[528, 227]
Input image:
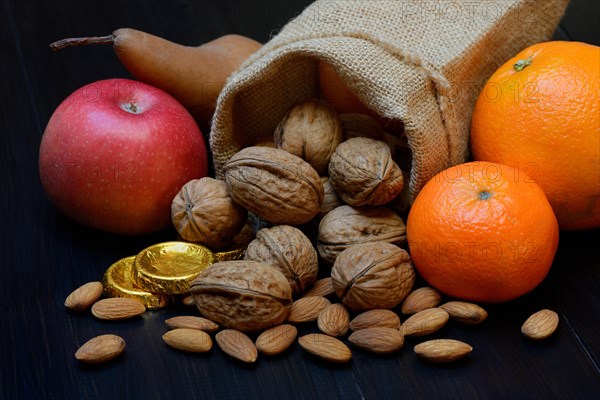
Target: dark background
[44, 256]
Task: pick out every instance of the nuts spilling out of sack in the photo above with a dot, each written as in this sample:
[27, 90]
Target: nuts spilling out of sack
[203, 212]
[346, 226]
[290, 251]
[275, 185]
[242, 294]
[324, 201]
[372, 275]
[311, 131]
[363, 172]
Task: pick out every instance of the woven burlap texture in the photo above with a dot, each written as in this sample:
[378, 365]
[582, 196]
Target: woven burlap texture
[421, 62]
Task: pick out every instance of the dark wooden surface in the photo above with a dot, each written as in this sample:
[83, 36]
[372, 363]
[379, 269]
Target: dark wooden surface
[43, 256]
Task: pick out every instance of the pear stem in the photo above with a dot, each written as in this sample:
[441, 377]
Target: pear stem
[61, 44]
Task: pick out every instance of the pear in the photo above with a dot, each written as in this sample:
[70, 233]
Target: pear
[193, 75]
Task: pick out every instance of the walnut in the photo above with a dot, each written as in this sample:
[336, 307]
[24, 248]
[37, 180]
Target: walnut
[310, 130]
[290, 251]
[275, 185]
[243, 295]
[402, 202]
[375, 275]
[331, 199]
[244, 236]
[363, 172]
[235, 250]
[203, 212]
[362, 125]
[345, 226]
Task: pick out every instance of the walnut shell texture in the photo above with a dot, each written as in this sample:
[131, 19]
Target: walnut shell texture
[363, 172]
[345, 226]
[331, 199]
[311, 130]
[203, 212]
[367, 276]
[401, 202]
[290, 251]
[243, 295]
[277, 186]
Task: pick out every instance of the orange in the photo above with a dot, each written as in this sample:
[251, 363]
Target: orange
[540, 112]
[482, 232]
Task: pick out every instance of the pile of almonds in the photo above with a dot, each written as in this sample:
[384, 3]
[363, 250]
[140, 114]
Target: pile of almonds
[377, 331]
[342, 175]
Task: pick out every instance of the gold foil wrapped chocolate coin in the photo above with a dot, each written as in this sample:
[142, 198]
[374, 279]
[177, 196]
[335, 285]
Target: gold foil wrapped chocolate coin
[117, 282]
[169, 267]
[228, 255]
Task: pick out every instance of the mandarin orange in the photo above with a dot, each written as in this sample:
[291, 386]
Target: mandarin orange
[540, 112]
[482, 232]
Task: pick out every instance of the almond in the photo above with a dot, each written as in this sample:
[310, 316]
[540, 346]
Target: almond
[307, 309]
[540, 325]
[187, 339]
[442, 350]
[237, 345]
[276, 340]
[100, 349]
[325, 347]
[188, 301]
[378, 340]
[375, 318]
[467, 313]
[334, 320]
[192, 322]
[322, 287]
[84, 296]
[116, 308]
[425, 322]
[421, 299]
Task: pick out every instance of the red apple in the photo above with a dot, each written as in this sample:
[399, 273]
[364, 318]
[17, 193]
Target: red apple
[116, 152]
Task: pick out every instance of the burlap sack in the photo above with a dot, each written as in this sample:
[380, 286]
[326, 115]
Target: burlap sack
[422, 62]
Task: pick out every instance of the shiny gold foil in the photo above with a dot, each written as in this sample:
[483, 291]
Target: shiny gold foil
[169, 267]
[228, 255]
[117, 282]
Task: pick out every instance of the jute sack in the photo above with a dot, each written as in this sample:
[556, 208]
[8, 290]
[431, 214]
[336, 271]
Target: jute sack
[421, 62]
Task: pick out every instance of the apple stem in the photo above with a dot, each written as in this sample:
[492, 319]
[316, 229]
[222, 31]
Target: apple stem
[61, 44]
[130, 107]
